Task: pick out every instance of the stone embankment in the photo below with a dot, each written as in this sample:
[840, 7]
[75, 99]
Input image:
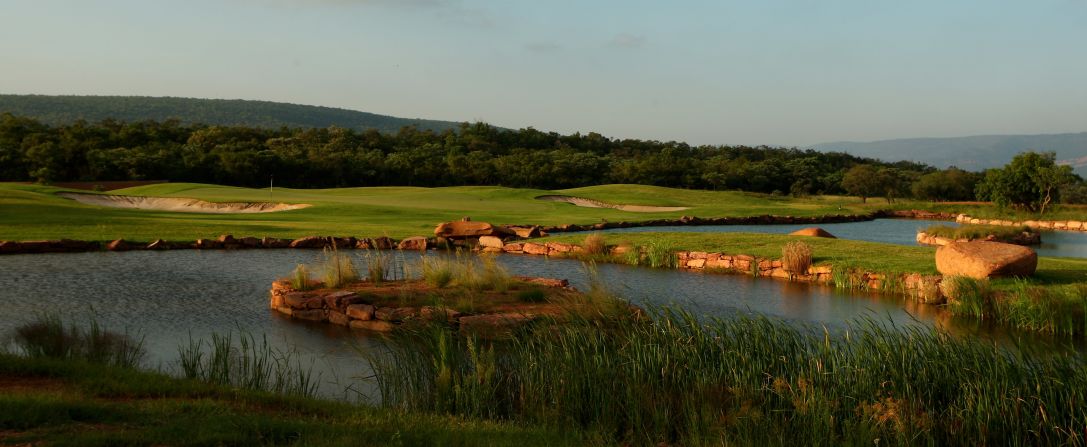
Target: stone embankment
[1060, 225]
[1025, 238]
[924, 288]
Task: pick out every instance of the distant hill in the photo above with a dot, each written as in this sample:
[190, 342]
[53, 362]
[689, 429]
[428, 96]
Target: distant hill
[972, 153]
[66, 109]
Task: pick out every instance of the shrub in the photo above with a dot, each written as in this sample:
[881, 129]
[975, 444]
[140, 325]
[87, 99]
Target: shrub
[796, 258]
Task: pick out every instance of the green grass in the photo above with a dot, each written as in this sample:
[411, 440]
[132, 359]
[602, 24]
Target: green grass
[873, 256]
[33, 212]
[682, 381]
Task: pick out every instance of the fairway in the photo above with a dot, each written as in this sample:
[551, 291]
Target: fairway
[30, 212]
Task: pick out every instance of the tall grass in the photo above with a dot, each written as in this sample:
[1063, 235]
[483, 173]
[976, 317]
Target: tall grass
[378, 266]
[337, 268]
[745, 381]
[595, 244]
[796, 258]
[1057, 310]
[246, 364]
[437, 271]
[300, 279]
[49, 336]
[660, 255]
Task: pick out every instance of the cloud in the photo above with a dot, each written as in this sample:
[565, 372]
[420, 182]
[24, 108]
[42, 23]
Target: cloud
[625, 40]
[543, 47]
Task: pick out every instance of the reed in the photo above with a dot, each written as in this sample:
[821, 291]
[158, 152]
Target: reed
[51, 337]
[659, 255]
[437, 271]
[337, 268]
[796, 258]
[745, 381]
[300, 278]
[247, 363]
[378, 266]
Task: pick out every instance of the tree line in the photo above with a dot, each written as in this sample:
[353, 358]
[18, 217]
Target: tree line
[473, 154]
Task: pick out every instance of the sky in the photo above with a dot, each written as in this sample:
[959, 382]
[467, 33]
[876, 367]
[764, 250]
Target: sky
[769, 72]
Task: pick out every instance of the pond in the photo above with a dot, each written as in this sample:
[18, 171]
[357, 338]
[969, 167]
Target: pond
[1071, 244]
[170, 296]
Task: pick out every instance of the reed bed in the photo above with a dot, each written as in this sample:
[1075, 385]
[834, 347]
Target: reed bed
[748, 381]
[300, 278]
[337, 268]
[1056, 310]
[595, 244]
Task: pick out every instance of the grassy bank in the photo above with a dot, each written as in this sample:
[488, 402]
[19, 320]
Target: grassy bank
[975, 231]
[746, 382]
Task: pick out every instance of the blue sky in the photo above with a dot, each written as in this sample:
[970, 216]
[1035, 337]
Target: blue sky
[721, 72]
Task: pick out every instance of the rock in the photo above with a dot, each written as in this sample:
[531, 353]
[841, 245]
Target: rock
[343, 242]
[983, 259]
[271, 242]
[119, 245]
[336, 300]
[318, 315]
[250, 242]
[812, 231]
[339, 318]
[463, 229]
[546, 282]
[310, 242]
[372, 325]
[526, 232]
[207, 244]
[492, 250]
[417, 243]
[491, 242]
[226, 239]
[159, 244]
[285, 310]
[364, 244]
[296, 300]
[534, 249]
[364, 312]
[514, 247]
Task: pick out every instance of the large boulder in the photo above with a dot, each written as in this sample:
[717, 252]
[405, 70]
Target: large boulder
[462, 229]
[417, 243]
[813, 232]
[491, 242]
[984, 259]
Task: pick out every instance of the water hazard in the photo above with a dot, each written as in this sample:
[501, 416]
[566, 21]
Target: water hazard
[170, 296]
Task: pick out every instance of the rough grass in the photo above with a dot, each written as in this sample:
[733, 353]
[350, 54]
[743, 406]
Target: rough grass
[45, 401]
[1056, 310]
[796, 257]
[48, 336]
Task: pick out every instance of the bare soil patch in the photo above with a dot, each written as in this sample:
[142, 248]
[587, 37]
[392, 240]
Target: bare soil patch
[590, 203]
[180, 204]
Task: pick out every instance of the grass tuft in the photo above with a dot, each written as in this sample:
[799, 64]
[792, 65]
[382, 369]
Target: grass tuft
[50, 337]
[337, 268]
[796, 258]
[595, 244]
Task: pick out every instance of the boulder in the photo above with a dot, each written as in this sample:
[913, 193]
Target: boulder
[491, 242]
[364, 312]
[336, 299]
[813, 232]
[207, 244]
[984, 259]
[310, 242]
[534, 249]
[250, 242]
[119, 245]
[338, 318]
[417, 243]
[526, 232]
[383, 243]
[271, 242]
[311, 315]
[462, 229]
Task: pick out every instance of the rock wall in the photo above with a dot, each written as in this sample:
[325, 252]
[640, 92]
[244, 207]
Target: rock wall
[923, 288]
[1061, 225]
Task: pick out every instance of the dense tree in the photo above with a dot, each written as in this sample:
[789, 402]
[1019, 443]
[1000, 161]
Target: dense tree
[950, 184]
[473, 154]
[863, 181]
[1031, 181]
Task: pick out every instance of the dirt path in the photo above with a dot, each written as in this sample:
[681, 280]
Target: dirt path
[590, 203]
[179, 204]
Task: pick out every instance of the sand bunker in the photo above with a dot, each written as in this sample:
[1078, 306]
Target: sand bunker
[590, 203]
[178, 204]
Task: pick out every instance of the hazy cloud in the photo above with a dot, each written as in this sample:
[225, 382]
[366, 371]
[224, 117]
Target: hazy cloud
[625, 40]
